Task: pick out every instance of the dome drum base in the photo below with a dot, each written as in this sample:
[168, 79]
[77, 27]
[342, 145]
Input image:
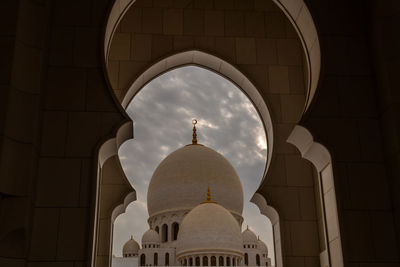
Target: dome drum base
[209, 252]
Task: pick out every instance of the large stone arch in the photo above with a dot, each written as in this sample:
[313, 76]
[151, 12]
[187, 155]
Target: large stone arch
[296, 12]
[286, 97]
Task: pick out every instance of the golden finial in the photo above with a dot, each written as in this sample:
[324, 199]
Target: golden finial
[194, 140]
[131, 237]
[247, 228]
[208, 197]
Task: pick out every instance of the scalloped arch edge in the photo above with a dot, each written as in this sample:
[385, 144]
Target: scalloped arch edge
[314, 152]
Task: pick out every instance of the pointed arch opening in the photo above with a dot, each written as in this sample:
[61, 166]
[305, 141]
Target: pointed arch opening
[143, 260]
[166, 259]
[164, 233]
[175, 230]
[205, 261]
[155, 259]
[213, 261]
[228, 72]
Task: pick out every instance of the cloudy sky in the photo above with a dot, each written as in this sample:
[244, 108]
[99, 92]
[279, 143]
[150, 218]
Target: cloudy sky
[227, 122]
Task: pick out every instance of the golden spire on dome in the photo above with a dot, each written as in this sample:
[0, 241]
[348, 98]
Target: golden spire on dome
[131, 237]
[208, 197]
[194, 140]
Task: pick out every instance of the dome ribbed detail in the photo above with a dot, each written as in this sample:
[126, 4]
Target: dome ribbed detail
[182, 178]
[209, 226]
[130, 248]
[150, 236]
[249, 237]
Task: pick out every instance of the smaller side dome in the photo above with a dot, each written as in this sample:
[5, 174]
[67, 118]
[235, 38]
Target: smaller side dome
[262, 247]
[209, 227]
[150, 236]
[131, 248]
[249, 237]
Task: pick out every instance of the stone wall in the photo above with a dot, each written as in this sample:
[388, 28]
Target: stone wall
[56, 110]
[385, 43]
[257, 38]
[346, 118]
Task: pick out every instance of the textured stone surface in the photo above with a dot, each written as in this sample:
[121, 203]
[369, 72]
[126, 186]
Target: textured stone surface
[181, 172]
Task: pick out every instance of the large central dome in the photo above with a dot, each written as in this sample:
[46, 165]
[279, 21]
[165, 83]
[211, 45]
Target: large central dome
[181, 179]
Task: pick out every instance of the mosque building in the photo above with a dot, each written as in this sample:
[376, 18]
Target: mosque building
[189, 227]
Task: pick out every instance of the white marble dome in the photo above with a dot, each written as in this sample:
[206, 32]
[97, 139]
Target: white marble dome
[249, 237]
[150, 236]
[131, 247]
[263, 247]
[181, 180]
[209, 227]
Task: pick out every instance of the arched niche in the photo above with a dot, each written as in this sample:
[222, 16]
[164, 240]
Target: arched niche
[273, 216]
[320, 157]
[113, 194]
